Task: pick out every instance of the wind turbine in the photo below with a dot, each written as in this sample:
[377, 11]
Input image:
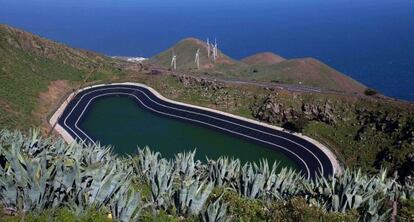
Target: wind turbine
[197, 58]
[215, 50]
[208, 47]
[174, 61]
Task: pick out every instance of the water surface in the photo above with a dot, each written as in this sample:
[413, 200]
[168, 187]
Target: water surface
[121, 122]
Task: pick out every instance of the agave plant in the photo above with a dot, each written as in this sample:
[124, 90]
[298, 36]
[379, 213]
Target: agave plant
[192, 196]
[353, 190]
[127, 205]
[287, 184]
[37, 173]
[215, 212]
[185, 165]
[162, 183]
[223, 171]
[24, 183]
[145, 161]
[250, 183]
[51, 177]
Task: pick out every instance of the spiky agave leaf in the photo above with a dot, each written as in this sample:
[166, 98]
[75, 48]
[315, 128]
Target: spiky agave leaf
[223, 171]
[162, 183]
[127, 204]
[192, 196]
[51, 177]
[215, 212]
[185, 165]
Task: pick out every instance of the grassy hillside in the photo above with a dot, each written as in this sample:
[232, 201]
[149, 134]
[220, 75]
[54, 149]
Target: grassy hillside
[29, 63]
[264, 58]
[307, 71]
[266, 67]
[186, 50]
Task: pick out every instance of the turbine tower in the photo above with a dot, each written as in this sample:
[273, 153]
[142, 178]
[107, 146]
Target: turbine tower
[208, 47]
[197, 58]
[215, 50]
[174, 61]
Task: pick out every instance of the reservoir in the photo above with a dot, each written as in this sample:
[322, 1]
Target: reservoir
[120, 121]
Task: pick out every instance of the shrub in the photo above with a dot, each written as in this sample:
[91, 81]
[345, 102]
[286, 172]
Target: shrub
[295, 125]
[60, 215]
[244, 209]
[370, 92]
[298, 210]
[406, 213]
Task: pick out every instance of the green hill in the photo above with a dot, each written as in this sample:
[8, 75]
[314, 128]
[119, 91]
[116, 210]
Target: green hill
[266, 67]
[185, 51]
[29, 63]
[307, 71]
[264, 58]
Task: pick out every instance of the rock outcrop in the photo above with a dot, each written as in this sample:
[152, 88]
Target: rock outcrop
[275, 112]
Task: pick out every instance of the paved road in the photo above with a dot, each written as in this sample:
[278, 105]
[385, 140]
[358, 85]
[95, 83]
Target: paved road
[288, 87]
[311, 159]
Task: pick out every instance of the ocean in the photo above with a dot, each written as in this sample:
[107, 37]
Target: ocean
[369, 40]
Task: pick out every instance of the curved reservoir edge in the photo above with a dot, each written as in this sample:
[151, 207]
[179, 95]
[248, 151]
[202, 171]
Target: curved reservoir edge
[311, 149]
[124, 123]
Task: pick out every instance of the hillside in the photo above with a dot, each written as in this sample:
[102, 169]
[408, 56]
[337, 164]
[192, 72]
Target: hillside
[186, 50]
[308, 71]
[265, 67]
[29, 63]
[264, 58]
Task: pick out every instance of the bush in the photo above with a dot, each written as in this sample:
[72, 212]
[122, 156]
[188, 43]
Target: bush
[406, 212]
[370, 92]
[298, 210]
[296, 125]
[60, 215]
[242, 208]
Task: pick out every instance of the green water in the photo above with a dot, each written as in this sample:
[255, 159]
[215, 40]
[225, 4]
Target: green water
[120, 122]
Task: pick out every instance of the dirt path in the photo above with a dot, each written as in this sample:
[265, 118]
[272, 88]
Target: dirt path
[49, 101]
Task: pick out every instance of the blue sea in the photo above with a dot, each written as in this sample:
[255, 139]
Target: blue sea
[369, 40]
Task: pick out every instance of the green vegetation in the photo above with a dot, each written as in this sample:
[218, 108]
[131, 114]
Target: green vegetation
[367, 133]
[407, 211]
[28, 64]
[370, 92]
[64, 214]
[56, 181]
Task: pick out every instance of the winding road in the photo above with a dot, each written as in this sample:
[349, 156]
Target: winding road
[309, 156]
